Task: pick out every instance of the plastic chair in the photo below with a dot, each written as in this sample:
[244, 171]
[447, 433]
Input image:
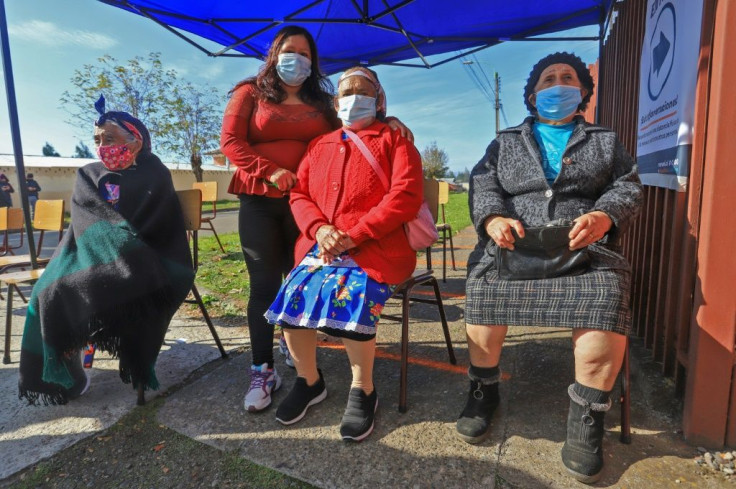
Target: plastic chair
[209, 194]
[443, 228]
[403, 290]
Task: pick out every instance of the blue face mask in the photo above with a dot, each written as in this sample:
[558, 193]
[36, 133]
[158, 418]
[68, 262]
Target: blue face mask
[356, 111]
[293, 68]
[556, 103]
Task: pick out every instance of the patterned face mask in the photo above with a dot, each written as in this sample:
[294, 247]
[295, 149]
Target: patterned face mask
[117, 157]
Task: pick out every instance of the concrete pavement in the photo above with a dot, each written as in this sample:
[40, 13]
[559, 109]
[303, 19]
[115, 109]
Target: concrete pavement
[414, 449]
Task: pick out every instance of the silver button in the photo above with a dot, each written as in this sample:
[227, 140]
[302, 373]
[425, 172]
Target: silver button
[567, 160]
[335, 185]
[342, 150]
[548, 194]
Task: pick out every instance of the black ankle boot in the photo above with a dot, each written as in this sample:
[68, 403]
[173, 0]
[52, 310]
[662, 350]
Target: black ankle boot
[474, 423]
[582, 452]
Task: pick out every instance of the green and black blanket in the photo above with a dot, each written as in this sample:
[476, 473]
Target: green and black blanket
[116, 279]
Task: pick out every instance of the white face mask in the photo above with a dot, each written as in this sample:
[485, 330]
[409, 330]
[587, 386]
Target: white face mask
[293, 68]
[356, 111]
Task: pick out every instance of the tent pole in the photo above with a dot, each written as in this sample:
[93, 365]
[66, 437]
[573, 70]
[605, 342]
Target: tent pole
[15, 133]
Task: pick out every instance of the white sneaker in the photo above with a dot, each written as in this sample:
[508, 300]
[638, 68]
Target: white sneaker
[284, 350]
[263, 381]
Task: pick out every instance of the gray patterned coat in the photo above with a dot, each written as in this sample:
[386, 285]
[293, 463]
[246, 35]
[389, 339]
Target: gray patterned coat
[597, 175]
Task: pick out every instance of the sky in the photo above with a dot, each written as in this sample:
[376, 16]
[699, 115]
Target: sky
[50, 39]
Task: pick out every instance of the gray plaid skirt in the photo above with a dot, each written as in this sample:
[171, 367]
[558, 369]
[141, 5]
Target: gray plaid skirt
[597, 299]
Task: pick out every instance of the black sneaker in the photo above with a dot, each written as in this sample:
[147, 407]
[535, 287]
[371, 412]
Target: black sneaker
[295, 405]
[474, 423]
[359, 417]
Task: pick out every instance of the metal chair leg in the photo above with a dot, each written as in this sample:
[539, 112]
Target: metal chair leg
[212, 227]
[141, 395]
[626, 398]
[452, 250]
[404, 349]
[8, 326]
[444, 255]
[207, 319]
[443, 318]
[429, 257]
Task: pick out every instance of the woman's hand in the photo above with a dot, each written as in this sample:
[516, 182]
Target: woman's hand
[396, 125]
[283, 179]
[332, 242]
[589, 228]
[499, 230]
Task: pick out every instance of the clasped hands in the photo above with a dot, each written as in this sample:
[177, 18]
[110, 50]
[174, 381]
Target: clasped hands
[332, 242]
[587, 229]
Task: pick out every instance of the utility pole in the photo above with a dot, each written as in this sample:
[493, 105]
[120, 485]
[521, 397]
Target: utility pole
[497, 82]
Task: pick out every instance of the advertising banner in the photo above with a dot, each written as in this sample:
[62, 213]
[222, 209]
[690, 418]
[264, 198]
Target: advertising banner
[669, 62]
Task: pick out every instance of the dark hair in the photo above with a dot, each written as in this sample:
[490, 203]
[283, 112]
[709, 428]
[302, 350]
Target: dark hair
[29, 175]
[586, 80]
[317, 89]
[380, 115]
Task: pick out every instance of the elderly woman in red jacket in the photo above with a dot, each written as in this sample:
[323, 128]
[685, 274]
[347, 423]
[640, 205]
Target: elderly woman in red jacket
[351, 251]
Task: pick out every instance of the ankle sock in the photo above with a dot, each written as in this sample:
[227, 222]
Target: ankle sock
[484, 375]
[590, 394]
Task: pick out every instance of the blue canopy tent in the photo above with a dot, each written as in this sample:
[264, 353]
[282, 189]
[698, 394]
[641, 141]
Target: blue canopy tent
[370, 32]
[348, 32]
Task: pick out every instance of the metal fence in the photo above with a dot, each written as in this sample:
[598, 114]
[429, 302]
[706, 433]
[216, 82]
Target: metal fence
[657, 245]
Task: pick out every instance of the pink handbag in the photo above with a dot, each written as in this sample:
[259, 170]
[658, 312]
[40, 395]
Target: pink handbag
[421, 231]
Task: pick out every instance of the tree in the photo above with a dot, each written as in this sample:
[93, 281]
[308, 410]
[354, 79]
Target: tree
[49, 150]
[434, 161]
[141, 87]
[82, 151]
[463, 176]
[193, 118]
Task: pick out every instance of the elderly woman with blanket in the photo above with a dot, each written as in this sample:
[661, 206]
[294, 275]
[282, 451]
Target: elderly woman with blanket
[119, 274]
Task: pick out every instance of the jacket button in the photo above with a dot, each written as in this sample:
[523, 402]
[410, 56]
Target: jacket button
[567, 160]
[335, 185]
[548, 194]
[342, 149]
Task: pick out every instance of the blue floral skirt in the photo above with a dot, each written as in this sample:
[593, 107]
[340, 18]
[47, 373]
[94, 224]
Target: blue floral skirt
[338, 296]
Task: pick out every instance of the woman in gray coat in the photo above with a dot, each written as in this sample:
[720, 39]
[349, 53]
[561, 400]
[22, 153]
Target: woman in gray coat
[554, 166]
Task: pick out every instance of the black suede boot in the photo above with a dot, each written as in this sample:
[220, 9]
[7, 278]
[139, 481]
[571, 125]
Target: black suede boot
[582, 452]
[474, 423]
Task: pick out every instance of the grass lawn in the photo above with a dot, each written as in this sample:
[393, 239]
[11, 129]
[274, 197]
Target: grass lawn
[225, 277]
[221, 205]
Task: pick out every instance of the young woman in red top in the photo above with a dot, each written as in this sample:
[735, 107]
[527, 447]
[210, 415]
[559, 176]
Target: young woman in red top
[352, 249]
[268, 123]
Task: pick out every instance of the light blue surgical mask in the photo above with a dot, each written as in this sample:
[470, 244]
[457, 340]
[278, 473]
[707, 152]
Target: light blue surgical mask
[356, 111]
[293, 68]
[556, 103]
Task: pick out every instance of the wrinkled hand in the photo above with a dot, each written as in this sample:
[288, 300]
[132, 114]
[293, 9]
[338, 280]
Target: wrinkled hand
[499, 230]
[332, 242]
[396, 125]
[589, 228]
[283, 179]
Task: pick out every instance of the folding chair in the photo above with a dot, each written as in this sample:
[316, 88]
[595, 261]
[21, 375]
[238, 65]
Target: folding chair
[209, 194]
[11, 220]
[403, 290]
[13, 280]
[191, 206]
[443, 228]
[49, 216]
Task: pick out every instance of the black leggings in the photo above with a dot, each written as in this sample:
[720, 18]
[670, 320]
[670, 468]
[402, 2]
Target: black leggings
[267, 235]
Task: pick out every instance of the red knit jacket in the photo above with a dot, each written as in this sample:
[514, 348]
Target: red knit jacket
[337, 185]
[259, 137]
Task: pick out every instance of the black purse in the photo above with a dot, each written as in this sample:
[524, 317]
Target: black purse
[543, 252]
